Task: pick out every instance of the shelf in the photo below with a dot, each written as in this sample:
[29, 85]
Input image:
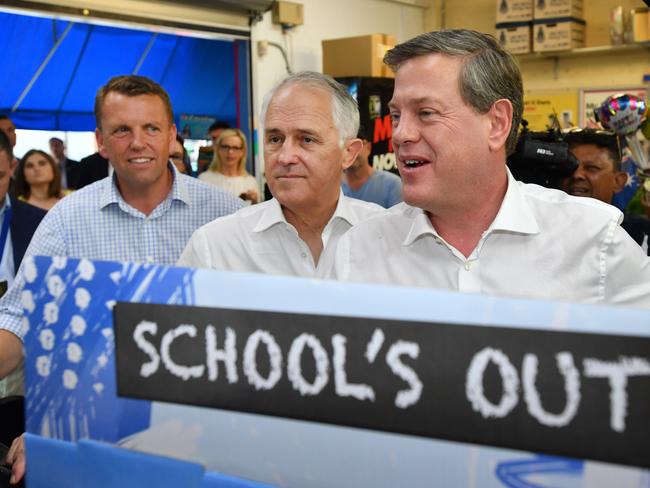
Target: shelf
[584, 51]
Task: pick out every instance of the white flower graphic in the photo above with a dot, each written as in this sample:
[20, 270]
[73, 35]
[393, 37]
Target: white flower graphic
[86, 270]
[70, 379]
[55, 286]
[29, 269]
[51, 313]
[27, 300]
[81, 298]
[78, 325]
[47, 339]
[59, 262]
[74, 352]
[43, 364]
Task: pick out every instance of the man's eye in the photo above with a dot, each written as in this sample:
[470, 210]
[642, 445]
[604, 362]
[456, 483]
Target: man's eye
[394, 117]
[153, 129]
[273, 139]
[308, 140]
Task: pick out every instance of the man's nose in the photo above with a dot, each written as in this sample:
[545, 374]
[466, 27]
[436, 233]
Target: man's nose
[579, 173]
[288, 153]
[137, 139]
[405, 130]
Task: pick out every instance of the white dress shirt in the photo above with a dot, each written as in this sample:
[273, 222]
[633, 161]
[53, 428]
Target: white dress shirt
[542, 244]
[259, 239]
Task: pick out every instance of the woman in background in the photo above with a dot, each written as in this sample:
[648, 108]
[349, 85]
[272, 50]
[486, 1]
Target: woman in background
[228, 167]
[38, 180]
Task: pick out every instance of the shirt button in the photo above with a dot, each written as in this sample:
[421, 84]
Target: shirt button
[468, 265]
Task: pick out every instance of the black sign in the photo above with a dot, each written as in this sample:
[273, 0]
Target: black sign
[564, 393]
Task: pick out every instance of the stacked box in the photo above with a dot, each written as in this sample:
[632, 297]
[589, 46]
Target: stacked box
[514, 11]
[559, 34]
[357, 56]
[640, 21]
[515, 37]
[550, 9]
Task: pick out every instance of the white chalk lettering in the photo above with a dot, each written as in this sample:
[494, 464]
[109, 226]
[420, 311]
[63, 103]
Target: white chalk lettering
[405, 398]
[228, 354]
[294, 370]
[147, 327]
[250, 363]
[571, 389]
[617, 373]
[359, 391]
[184, 372]
[474, 383]
[373, 347]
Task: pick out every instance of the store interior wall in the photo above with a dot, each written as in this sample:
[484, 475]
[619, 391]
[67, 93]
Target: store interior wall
[599, 70]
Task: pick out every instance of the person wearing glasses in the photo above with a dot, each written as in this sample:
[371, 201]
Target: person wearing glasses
[599, 175]
[180, 158]
[228, 168]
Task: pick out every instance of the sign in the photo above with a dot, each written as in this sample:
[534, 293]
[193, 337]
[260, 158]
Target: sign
[579, 395]
[542, 107]
[72, 387]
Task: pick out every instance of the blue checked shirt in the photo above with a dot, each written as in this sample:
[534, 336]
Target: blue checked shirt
[96, 223]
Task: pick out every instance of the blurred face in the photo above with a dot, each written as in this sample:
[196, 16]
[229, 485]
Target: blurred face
[136, 136]
[38, 170]
[301, 149]
[176, 156]
[439, 141]
[230, 150]
[595, 176]
[57, 149]
[5, 174]
[8, 127]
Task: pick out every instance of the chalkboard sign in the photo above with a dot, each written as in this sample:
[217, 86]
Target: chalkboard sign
[567, 393]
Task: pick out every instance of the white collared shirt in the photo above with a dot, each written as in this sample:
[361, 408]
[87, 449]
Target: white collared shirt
[259, 239]
[542, 244]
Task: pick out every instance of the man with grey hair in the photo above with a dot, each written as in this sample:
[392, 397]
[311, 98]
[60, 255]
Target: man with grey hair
[465, 223]
[310, 124]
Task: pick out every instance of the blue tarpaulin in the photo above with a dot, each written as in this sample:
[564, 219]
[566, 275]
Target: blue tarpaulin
[199, 74]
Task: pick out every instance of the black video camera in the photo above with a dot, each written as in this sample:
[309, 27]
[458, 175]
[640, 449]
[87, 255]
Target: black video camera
[542, 158]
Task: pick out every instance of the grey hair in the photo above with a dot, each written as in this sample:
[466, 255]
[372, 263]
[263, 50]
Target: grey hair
[488, 72]
[345, 112]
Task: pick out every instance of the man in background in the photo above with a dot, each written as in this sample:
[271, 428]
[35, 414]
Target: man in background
[361, 180]
[145, 212]
[70, 169]
[9, 128]
[310, 124]
[599, 175]
[466, 224]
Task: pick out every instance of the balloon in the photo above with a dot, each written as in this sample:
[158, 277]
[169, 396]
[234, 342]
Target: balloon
[621, 113]
[624, 114]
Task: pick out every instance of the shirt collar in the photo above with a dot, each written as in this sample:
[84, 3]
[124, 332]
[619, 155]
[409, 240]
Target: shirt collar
[273, 214]
[111, 194]
[514, 215]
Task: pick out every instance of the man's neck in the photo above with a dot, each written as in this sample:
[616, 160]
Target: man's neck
[356, 177]
[463, 228]
[310, 225]
[148, 197]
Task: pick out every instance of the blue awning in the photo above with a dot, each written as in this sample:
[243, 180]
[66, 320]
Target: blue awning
[199, 74]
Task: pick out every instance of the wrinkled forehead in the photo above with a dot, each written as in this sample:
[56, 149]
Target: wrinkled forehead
[300, 100]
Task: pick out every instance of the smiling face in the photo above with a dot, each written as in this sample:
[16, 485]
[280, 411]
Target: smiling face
[38, 170]
[302, 154]
[136, 136]
[442, 144]
[595, 175]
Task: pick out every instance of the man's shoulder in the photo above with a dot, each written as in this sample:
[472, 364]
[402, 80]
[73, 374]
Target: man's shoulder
[562, 204]
[363, 208]
[393, 219]
[243, 220]
[388, 178]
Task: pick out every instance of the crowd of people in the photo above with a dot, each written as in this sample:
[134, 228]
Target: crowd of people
[465, 223]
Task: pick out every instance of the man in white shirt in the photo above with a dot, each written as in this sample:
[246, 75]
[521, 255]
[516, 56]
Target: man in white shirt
[310, 124]
[466, 224]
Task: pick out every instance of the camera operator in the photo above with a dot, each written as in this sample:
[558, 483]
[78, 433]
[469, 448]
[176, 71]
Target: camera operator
[599, 175]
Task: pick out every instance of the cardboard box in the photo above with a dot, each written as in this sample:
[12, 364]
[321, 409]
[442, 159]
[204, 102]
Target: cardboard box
[549, 9]
[515, 37]
[640, 21]
[558, 35]
[357, 56]
[514, 11]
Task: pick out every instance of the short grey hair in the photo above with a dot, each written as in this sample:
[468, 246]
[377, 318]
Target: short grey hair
[488, 72]
[345, 112]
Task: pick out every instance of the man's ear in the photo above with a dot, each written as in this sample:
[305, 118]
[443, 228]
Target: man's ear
[620, 178]
[99, 137]
[500, 121]
[351, 150]
[172, 138]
